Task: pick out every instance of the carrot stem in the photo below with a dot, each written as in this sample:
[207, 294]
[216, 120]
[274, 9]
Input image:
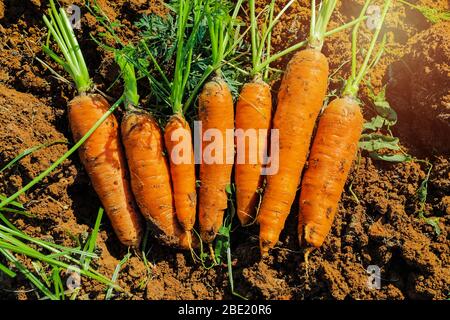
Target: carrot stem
[319, 23]
[220, 26]
[72, 59]
[269, 40]
[253, 33]
[355, 39]
[261, 44]
[303, 43]
[131, 96]
[156, 64]
[352, 87]
[272, 24]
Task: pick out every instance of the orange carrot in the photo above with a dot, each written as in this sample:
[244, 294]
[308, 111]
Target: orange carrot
[101, 153]
[254, 114]
[215, 112]
[300, 99]
[103, 159]
[150, 178]
[182, 169]
[253, 111]
[332, 154]
[333, 150]
[177, 133]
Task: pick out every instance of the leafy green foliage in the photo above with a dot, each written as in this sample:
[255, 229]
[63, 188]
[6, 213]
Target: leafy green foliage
[115, 276]
[378, 141]
[377, 137]
[386, 116]
[374, 142]
[158, 47]
[160, 34]
[163, 43]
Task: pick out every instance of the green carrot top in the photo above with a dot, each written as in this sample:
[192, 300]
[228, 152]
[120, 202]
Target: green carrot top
[131, 96]
[352, 85]
[72, 59]
[261, 39]
[223, 30]
[318, 33]
[320, 22]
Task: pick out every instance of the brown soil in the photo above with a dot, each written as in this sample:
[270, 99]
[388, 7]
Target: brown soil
[380, 227]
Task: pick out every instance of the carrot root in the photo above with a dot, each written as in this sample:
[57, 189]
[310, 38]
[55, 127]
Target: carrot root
[150, 178]
[253, 113]
[215, 112]
[182, 168]
[332, 154]
[300, 99]
[104, 161]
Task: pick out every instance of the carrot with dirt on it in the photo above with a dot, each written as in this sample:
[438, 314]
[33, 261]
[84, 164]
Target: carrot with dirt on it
[101, 154]
[253, 117]
[177, 133]
[216, 112]
[254, 112]
[334, 149]
[300, 99]
[149, 170]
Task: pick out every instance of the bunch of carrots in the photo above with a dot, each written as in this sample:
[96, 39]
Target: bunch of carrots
[138, 169]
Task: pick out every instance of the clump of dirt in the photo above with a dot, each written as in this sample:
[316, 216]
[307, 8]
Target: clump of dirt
[419, 88]
[377, 224]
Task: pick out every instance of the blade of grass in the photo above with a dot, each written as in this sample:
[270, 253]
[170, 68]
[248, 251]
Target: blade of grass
[7, 271]
[53, 247]
[28, 152]
[30, 252]
[12, 203]
[57, 284]
[92, 240]
[116, 275]
[30, 276]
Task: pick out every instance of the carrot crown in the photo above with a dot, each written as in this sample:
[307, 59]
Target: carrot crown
[321, 25]
[72, 59]
[261, 40]
[130, 93]
[184, 49]
[319, 22]
[352, 85]
[224, 37]
[223, 30]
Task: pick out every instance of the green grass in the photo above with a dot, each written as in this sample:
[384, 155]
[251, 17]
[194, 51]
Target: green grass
[115, 276]
[47, 259]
